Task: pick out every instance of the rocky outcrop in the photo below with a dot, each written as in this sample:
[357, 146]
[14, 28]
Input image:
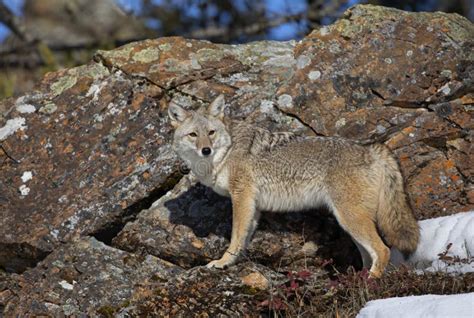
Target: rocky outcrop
[401, 78]
[191, 226]
[87, 153]
[107, 277]
[78, 154]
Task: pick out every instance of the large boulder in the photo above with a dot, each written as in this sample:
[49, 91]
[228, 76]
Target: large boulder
[77, 155]
[191, 226]
[406, 79]
[81, 154]
[84, 277]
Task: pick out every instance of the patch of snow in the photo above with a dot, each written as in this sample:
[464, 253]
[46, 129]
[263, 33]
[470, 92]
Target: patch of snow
[26, 176]
[436, 235]
[11, 127]
[451, 267]
[460, 305]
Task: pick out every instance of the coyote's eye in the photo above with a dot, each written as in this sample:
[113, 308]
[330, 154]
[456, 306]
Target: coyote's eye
[212, 132]
[193, 134]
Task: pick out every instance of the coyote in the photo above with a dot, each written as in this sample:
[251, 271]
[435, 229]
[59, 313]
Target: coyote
[264, 171]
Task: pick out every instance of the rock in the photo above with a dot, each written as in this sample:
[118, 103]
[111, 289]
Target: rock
[191, 225]
[406, 79]
[201, 292]
[84, 277]
[99, 142]
[256, 280]
[101, 147]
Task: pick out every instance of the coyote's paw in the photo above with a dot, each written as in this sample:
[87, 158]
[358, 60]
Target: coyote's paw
[218, 263]
[225, 261]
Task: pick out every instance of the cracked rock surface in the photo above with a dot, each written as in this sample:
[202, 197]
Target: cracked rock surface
[86, 153]
[83, 277]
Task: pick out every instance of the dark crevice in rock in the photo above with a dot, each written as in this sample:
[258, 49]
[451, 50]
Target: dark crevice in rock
[176, 90]
[18, 257]
[8, 155]
[381, 138]
[294, 116]
[113, 69]
[110, 230]
[407, 104]
[374, 92]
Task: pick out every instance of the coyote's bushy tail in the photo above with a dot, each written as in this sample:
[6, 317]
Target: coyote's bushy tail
[395, 219]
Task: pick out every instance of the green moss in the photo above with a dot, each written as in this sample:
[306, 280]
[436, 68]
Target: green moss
[248, 290]
[125, 304]
[106, 311]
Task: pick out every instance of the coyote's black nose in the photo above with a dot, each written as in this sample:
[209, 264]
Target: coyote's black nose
[206, 151]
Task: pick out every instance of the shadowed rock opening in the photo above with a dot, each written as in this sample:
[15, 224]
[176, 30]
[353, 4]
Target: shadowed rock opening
[110, 230]
[18, 257]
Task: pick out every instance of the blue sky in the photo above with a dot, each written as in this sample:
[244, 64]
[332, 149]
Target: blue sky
[15, 6]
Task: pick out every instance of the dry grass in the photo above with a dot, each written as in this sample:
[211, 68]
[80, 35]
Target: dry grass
[345, 294]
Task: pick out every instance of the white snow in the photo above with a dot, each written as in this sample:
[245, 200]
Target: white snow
[455, 231]
[11, 127]
[452, 267]
[26, 176]
[451, 236]
[433, 306]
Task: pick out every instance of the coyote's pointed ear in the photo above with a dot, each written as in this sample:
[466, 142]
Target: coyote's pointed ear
[177, 114]
[217, 107]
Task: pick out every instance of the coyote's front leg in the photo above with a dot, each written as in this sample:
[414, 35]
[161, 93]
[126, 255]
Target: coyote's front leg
[244, 221]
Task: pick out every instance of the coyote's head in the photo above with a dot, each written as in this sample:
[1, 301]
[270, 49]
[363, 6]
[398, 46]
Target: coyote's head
[200, 136]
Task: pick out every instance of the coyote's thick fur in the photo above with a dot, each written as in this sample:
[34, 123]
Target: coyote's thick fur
[265, 171]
